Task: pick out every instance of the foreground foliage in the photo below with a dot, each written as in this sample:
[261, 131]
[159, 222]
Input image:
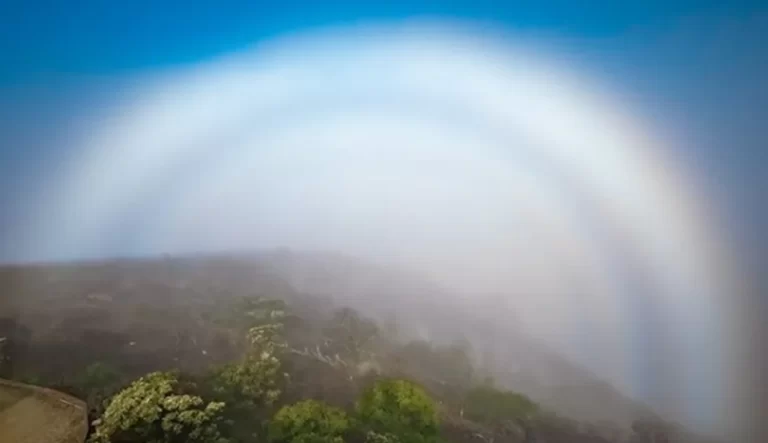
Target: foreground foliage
[398, 410]
[308, 421]
[151, 410]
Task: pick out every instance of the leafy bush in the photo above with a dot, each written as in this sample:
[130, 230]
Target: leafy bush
[308, 421]
[397, 410]
[151, 410]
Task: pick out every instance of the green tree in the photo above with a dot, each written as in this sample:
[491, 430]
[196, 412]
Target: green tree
[397, 410]
[308, 421]
[253, 381]
[152, 410]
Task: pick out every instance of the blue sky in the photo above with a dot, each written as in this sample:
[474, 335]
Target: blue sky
[48, 39]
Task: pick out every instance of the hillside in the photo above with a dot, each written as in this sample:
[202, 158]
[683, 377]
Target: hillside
[139, 316]
[427, 311]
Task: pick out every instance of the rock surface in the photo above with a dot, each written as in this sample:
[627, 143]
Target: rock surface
[30, 414]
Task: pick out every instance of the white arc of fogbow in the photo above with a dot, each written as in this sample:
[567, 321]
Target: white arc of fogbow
[483, 163]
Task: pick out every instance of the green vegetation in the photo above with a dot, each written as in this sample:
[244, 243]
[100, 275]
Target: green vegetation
[308, 421]
[159, 408]
[236, 401]
[253, 380]
[153, 410]
[398, 410]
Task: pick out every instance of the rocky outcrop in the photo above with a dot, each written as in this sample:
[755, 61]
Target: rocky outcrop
[31, 414]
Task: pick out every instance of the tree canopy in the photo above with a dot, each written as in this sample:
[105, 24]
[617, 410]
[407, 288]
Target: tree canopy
[252, 381]
[308, 421]
[151, 410]
[398, 410]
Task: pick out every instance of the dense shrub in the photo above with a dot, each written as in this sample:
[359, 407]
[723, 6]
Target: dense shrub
[152, 410]
[308, 421]
[397, 410]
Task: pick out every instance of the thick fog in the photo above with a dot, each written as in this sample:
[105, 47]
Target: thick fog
[486, 162]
